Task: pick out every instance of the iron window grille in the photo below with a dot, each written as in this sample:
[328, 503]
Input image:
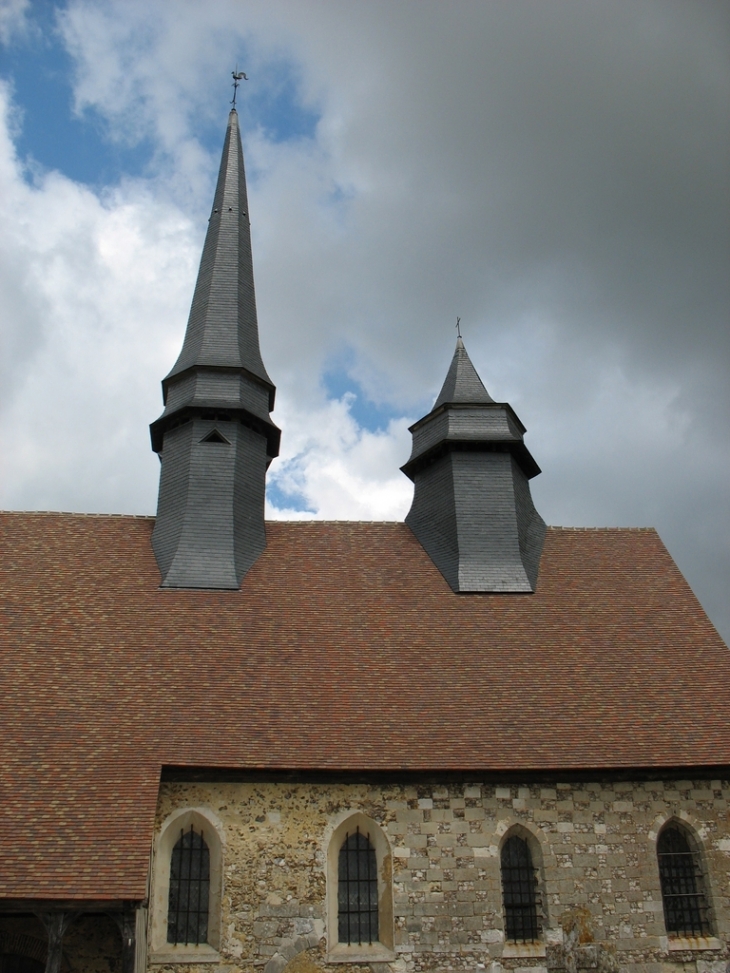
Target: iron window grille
[187, 913]
[519, 892]
[680, 873]
[357, 891]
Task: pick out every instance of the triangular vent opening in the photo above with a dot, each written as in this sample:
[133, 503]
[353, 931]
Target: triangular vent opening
[215, 437]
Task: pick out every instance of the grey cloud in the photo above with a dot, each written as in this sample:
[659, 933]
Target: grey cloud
[557, 173]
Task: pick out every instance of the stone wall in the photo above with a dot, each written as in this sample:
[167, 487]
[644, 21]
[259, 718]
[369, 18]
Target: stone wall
[595, 847]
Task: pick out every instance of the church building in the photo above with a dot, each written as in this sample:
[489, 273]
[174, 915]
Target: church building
[466, 742]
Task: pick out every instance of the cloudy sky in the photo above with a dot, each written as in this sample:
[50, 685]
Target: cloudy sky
[556, 172]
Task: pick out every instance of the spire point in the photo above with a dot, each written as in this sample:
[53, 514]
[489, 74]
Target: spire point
[462, 383]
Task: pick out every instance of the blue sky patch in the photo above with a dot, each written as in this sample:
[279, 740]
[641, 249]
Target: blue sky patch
[40, 70]
[270, 100]
[370, 415]
[283, 500]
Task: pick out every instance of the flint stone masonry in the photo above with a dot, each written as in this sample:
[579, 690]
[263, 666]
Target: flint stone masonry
[596, 842]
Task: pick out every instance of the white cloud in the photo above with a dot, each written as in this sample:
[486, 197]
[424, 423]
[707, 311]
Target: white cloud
[12, 18]
[96, 297]
[87, 334]
[342, 471]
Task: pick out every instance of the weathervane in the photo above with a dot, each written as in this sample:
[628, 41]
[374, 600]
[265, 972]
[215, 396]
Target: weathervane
[458, 327]
[237, 77]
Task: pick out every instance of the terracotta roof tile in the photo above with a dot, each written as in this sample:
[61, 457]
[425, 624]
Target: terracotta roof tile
[345, 649]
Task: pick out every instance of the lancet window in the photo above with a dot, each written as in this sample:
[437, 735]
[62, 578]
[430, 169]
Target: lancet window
[357, 890]
[683, 887]
[189, 902]
[519, 892]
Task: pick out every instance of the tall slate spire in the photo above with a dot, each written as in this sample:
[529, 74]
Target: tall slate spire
[472, 509]
[215, 437]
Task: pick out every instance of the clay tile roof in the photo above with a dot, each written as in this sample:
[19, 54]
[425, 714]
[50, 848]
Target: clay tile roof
[345, 650]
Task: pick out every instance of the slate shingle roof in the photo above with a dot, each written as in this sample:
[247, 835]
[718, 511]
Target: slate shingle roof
[462, 383]
[344, 650]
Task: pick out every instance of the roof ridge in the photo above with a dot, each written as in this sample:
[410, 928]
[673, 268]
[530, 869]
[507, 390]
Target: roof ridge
[324, 521]
[77, 513]
[316, 520]
[636, 529]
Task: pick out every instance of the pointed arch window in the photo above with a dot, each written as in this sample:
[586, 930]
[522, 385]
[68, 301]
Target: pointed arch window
[683, 887]
[519, 892]
[186, 888]
[357, 890]
[359, 907]
[188, 908]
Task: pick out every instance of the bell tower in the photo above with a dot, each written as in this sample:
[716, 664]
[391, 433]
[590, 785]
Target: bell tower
[215, 437]
[472, 509]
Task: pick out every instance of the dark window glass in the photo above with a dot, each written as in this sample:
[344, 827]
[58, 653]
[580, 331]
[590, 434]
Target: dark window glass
[519, 892]
[10, 963]
[685, 906]
[187, 913]
[357, 891]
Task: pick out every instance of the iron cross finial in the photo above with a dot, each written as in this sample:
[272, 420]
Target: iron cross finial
[458, 327]
[237, 76]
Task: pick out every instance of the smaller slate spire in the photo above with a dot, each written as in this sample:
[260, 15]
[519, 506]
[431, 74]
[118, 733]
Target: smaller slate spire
[472, 509]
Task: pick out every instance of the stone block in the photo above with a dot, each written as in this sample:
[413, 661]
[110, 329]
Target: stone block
[712, 966]
[409, 815]
[545, 814]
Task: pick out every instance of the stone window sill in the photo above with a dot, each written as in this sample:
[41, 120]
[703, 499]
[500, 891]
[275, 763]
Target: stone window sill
[370, 953]
[523, 949]
[677, 943]
[185, 954]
